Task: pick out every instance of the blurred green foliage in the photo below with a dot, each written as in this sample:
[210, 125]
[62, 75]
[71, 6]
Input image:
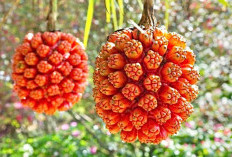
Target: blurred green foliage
[208, 132]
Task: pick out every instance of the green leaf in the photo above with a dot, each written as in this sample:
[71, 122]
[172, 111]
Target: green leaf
[115, 21]
[166, 18]
[121, 12]
[88, 21]
[108, 11]
[140, 4]
[224, 2]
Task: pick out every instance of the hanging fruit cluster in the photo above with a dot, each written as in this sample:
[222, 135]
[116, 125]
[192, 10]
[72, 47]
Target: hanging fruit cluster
[50, 71]
[144, 83]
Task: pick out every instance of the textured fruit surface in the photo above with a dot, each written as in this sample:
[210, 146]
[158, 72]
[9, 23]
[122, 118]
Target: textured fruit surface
[144, 84]
[50, 71]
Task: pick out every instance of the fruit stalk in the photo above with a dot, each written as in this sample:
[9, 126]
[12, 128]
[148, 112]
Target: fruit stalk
[52, 16]
[148, 16]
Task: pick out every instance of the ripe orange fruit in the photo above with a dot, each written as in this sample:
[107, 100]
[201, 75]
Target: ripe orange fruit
[50, 71]
[144, 84]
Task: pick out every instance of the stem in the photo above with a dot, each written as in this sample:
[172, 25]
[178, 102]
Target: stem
[152, 148]
[82, 120]
[4, 18]
[52, 16]
[148, 17]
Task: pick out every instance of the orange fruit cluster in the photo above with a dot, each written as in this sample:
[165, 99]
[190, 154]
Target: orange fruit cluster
[49, 71]
[144, 84]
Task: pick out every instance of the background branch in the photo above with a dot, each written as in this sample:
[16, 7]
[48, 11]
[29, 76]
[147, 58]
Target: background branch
[82, 120]
[4, 18]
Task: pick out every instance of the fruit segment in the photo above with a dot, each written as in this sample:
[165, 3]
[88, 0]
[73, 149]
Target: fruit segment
[152, 60]
[152, 83]
[171, 72]
[190, 74]
[169, 95]
[160, 45]
[182, 108]
[119, 103]
[148, 102]
[131, 91]
[138, 118]
[133, 49]
[107, 88]
[176, 55]
[161, 114]
[117, 79]
[105, 103]
[173, 124]
[151, 128]
[129, 136]
[133, 71]
[116, 61]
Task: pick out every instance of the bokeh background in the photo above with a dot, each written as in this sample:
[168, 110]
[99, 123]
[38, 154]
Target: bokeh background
[206, 24]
